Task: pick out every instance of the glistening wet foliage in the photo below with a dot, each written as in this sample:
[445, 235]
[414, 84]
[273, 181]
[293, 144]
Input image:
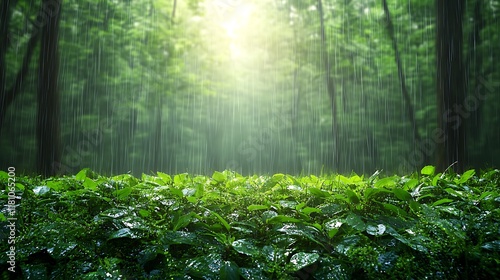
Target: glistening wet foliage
[228, 226]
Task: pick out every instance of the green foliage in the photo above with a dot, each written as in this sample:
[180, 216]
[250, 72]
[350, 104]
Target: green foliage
[258, 227]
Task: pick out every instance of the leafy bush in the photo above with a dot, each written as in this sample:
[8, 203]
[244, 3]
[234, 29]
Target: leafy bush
[434, 226]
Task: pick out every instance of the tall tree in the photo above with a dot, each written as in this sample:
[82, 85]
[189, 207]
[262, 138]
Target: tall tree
[48, 117]
[402, 79]
[7, 95]
[450, 84]
[330, 86]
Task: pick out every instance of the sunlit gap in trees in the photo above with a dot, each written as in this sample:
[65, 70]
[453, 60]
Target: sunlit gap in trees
[232, 17]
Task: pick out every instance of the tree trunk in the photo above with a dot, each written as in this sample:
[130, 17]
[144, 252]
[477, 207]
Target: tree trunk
[330, 87]
[48, 118]
[477, 63]
[450, 84]
[402, 79]
[7, 96]
[5, 15]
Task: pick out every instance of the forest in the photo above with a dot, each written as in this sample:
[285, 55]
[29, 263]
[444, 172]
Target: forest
[245, 139]
[299, 87]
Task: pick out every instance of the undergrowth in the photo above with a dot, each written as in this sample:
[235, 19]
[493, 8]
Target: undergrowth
[227, 226]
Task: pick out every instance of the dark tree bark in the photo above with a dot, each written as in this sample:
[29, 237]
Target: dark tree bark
[330, 86]
[402, 79]
[450, 84]
[48, 118]
[5, 14]
[475, 60]
[7, 95]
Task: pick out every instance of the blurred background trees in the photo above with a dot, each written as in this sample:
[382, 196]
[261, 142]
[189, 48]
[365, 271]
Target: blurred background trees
[258, 87]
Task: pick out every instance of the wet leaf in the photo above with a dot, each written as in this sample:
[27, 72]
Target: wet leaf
[376, 230]
[355, 221]
[492, 246]
[229, 271]
[246, 247]
[41, 190]
[180, 237]
[123, 233]
[302, 259]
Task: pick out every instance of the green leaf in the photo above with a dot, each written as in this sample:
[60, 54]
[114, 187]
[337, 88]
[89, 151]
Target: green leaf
[219, 177]
[2, 217]
[123, 193]
[492, 246]
[80, 176]
[488, 196]
[319, 193]
[277, 177]
[114, 213]
[442, 201]
[41, 190]
[395, 209]
[123, 233]
[282, 219]
[410, 184]
[466, 176]
[176, 192]
[90, 184]
[376, 230]
[415, 206]
[204, 267]
[144, 213]
[180, 178]
[352, 196]
[309, 210]
[222, 220]
[355, 221]
[402, 194]
[255, 207]
[300, 206]
[268, 215]
[302, 231]
[252, 274]
[182, 221]
[164, 177]
[386, 182]
[20, 186]
[55, 185]
[347, 243]
[229, 271]
[436, 179]
[333, 226]
[428, 170]
[246, 247]
[302, 259]
[370, 192]
[180, 237]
